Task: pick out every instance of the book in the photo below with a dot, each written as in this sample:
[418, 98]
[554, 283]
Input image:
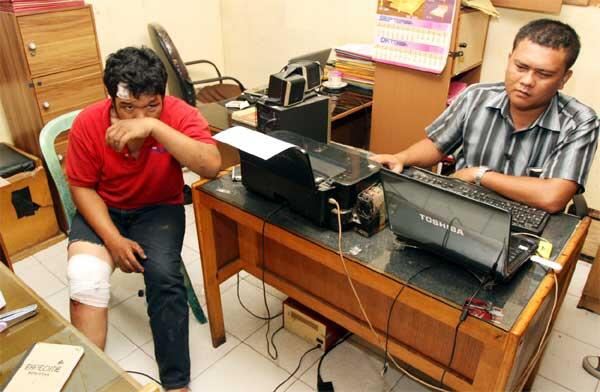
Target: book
[46, 367]
[245, 116]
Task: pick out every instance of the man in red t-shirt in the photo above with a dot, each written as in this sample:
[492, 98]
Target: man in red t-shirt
[124, 170]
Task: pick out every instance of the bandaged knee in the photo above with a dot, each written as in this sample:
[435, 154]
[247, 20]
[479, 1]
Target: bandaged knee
[89, 280]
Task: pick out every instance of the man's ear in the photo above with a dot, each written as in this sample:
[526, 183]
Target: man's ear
[565, 78]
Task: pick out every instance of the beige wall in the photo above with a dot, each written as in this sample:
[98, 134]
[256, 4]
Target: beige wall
[585, 83]
[259, 36]
[194, 27]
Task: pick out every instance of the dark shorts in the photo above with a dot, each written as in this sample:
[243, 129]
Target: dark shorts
[159, 231]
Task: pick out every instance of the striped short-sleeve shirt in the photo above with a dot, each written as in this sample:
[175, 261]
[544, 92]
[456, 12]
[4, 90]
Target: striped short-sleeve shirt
[561, 143]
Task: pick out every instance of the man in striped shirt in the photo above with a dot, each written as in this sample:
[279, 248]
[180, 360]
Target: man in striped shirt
[502, 133]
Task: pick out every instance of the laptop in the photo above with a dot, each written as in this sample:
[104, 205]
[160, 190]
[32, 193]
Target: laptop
[321, 56]
[473, 234]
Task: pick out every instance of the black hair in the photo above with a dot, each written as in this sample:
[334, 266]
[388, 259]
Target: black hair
[551, 34]
[139, 68]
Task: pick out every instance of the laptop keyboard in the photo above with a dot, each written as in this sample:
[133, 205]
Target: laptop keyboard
[524, 218]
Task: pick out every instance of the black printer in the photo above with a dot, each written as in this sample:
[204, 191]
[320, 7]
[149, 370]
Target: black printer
[308, 174]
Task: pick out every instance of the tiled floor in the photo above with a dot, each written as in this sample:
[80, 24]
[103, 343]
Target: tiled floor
[243, 364]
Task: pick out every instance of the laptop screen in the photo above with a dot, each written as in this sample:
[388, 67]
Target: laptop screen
[473, 234]
[321, 56]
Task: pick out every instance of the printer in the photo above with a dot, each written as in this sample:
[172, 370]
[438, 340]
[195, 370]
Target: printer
[307, 175]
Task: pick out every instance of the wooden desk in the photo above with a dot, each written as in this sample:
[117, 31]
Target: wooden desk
[95, 372]
[350, 122]
[302, 261]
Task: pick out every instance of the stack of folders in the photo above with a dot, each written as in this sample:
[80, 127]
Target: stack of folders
[355, 63]
[22, 6]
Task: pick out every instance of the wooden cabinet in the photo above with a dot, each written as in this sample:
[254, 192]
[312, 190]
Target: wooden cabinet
[50, 65]
[405, 101]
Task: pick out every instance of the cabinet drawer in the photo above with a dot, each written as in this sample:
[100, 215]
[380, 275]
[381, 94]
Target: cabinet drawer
[472, 32]
[66, 91]
[58, 41]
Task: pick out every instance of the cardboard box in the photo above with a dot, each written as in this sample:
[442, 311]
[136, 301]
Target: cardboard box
[19, 230]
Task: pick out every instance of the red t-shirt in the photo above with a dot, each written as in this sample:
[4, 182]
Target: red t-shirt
[121, 181]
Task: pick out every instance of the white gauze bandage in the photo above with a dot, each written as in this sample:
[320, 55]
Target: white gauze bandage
[123, 90]
[89, 280]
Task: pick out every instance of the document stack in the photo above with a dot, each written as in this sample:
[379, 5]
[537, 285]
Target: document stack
[355, 63]
[22, 6]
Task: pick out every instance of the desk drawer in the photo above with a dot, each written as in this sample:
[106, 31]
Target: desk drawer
[66, 91]
[58, 41]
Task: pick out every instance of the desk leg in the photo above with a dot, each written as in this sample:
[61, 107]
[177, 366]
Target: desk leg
[208, 248]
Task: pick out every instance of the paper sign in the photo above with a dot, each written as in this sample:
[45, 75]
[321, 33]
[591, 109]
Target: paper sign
[252, 142]
[46, 368]
[414, 33]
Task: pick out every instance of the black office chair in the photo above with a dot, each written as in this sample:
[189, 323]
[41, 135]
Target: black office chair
[180, 83]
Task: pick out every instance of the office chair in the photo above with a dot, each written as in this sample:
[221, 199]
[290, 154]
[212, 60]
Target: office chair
[48, 136]
[180, 83]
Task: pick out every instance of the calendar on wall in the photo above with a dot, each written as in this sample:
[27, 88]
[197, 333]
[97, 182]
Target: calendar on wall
[414, 33]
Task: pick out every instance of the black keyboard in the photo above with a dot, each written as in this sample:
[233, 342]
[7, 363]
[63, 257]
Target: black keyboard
[524, 218]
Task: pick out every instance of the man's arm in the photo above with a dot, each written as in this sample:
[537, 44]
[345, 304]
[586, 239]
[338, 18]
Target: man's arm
[423, 153]
[95, 212]
[549, 194]
[202, 158]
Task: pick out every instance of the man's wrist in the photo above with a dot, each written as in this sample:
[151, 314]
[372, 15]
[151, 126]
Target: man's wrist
[481, 170]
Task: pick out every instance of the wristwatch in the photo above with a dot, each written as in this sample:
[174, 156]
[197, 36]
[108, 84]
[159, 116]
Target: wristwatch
[480, 172]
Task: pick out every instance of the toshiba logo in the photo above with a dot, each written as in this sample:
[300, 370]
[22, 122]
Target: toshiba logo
[442, 225]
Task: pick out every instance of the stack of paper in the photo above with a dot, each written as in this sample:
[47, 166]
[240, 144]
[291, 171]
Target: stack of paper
[21, 6]
[355, 63]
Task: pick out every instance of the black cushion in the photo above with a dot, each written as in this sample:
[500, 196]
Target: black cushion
[12, 162]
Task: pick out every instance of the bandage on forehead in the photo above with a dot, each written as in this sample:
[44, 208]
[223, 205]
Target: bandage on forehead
[89, 280]
[123, 91]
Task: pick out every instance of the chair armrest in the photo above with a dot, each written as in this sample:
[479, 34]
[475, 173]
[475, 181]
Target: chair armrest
[204, 62]
[220, 79]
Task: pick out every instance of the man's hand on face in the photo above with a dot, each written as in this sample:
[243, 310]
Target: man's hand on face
[130, 133]
[124, 251]
[467, 174]
[392, 162]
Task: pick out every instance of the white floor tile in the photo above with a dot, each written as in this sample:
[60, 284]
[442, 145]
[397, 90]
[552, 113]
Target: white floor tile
[578, 323]
[117, 345]
[36, 276]
[131, 319]
[190, 238]
[244, 370]
[60, 302]
[190, 216]
[239, 322]
[256, 282]
[542, 384]
[561, 363]
[140, 362]
[289, 346]
[123, 286]
[56, 251]
[202, 353]
[353, 368]
[406, 384]
[54, 259]
[299, 386]
[190, 255]
[189, 177]
[582, 270]
[194, 271]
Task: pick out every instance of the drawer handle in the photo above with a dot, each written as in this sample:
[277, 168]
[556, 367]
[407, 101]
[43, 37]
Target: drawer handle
[32, 48]
[46, 105]
[462, 45]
